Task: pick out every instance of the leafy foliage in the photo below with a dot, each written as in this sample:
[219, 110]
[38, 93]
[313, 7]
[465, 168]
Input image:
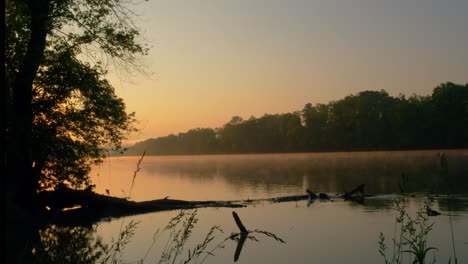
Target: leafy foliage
[76, 117]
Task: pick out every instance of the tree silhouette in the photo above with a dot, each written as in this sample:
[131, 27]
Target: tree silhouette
[368, 120]
[61, 111]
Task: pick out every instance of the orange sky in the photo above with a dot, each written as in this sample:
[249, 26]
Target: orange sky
[213, 59]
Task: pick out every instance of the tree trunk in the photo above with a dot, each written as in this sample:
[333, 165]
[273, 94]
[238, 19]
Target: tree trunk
[21, 186]
[19, 160]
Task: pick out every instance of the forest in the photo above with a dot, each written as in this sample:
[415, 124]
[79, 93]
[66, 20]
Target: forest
[368, 120]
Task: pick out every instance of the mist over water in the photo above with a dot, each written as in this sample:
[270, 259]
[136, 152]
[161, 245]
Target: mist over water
[321, 232]
[271, 175]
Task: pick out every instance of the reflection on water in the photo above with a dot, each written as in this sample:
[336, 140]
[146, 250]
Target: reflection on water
[336, 231]
[81, 244]
[454, 204]
[72, 245]
[324, 232]
[223, 177]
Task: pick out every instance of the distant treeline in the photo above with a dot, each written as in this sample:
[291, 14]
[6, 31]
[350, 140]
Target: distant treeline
[369, 120]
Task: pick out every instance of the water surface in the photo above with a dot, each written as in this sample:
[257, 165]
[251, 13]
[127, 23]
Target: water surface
[225, 177]
[321, 232]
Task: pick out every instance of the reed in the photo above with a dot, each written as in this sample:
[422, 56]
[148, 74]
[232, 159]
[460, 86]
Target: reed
[411, 232]
[411, 236]
[180, 228]
[76, 245]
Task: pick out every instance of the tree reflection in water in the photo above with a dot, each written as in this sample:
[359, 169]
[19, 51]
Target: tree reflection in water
[81, 244]
[77, 244]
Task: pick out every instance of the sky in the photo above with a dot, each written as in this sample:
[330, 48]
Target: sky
[214, 59]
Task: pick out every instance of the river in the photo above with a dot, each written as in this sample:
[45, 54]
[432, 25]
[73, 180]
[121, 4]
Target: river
[333, 231]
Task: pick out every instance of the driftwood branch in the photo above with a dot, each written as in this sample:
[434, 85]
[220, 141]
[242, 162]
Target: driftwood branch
[311, 194]
[243, 236]
[358, 189]
[239, 223]
[355, 198]
[92, 207]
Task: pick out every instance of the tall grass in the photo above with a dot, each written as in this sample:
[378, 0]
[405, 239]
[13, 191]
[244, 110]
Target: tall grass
[444, 173]
[411, 232]
[180, 229]
[114, 252]
[80, 245]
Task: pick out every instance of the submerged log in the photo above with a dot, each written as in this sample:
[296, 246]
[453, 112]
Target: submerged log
[311, 194]
[68, 206]
[289, 198]
[90, 207]
[356, 198]
[324, 196]
[358, 189]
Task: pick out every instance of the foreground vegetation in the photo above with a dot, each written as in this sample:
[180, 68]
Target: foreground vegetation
[411, 232]
[369, 120]
[81, 245]
[77, 242]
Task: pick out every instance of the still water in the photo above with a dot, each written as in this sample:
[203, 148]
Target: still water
[322, 232]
